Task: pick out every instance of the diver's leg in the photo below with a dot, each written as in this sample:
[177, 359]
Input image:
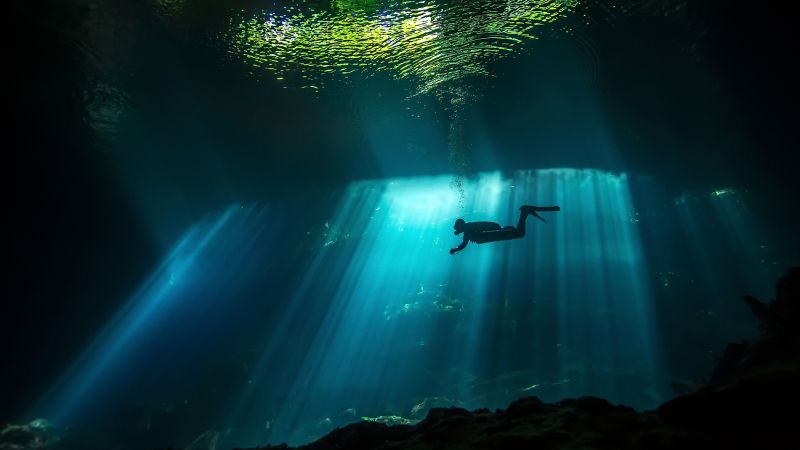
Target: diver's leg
[530, 209]
[519, 231]
[507, 233]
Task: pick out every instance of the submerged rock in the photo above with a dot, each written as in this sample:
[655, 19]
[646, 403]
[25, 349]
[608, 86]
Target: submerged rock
[748, 403]
[37, 434]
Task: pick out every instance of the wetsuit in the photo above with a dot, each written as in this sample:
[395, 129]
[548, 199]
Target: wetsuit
[483, 232]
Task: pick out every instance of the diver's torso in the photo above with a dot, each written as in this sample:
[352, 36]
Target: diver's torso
[474, 230]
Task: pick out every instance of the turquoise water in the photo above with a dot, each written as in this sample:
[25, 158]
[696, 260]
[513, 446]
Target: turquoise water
[379, 320]
[237, 216]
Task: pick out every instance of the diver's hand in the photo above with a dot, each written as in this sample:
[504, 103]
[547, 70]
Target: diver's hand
[453, 251]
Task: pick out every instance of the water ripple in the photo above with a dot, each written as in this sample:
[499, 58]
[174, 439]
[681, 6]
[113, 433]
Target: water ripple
[430, 43]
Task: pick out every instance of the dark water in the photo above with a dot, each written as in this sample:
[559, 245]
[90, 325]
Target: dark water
[232, 221]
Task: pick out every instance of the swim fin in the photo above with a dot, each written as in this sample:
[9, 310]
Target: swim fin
[532, 210]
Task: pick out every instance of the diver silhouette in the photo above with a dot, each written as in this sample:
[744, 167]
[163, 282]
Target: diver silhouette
[483, 232]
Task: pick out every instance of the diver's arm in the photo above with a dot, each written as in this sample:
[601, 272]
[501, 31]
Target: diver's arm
[460, 247]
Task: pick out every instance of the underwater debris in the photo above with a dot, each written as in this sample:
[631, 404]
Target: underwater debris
[390, 420]
[722, 192]
[323, 426]
[687, 197]
[665, 278]
[424, 300]
[331, 236]
[416, 409]
[448, 304]
[38, 434]
[540, 385]
[428, 403]
[348, 412]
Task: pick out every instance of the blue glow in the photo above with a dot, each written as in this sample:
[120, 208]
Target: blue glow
[177, 289]
[396, 305]
[382, 317]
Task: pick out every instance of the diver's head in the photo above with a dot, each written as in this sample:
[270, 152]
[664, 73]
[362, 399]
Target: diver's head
[459, 226]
